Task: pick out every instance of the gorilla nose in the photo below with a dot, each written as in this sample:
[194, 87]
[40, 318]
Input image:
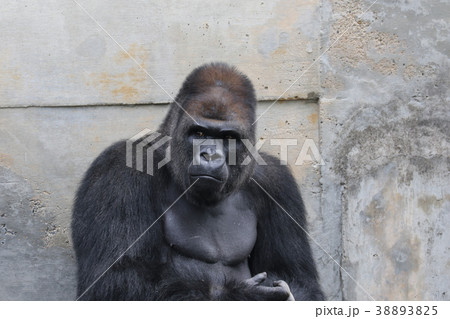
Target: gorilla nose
[209, 165]
[212, 158]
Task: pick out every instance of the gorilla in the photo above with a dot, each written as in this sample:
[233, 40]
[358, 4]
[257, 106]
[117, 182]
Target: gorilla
[212, 224]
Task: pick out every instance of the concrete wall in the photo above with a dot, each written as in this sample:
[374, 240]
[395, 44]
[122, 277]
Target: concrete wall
[384, 128]
[376, 103]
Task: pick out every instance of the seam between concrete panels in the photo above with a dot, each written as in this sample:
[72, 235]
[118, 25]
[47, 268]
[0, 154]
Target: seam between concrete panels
[306, 100]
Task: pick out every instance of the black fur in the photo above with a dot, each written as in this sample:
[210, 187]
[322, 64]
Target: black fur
[115, 204]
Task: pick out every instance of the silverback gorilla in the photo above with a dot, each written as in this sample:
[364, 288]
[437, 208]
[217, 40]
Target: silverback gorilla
[228, 237]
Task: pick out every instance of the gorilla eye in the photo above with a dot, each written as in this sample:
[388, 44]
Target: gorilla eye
[199, 133]
[230, 136]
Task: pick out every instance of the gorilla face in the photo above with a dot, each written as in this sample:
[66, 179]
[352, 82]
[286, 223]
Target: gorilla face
[207, 146]
[216, 150]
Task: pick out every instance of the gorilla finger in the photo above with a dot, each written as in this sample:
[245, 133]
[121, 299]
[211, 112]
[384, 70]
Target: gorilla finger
[281, 283]
[285, 286]
[274, 293]
[257, 279]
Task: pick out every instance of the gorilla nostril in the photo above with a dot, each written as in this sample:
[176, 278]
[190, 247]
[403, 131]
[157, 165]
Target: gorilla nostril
[207, 153]
[210, 157]
[206, 156]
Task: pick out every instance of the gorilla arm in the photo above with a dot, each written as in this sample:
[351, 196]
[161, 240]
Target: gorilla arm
[282, 248]
[112, 208]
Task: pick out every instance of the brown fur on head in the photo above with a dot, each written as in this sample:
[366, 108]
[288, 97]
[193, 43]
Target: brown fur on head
[219, 96]
[215, 91]
[218, 75]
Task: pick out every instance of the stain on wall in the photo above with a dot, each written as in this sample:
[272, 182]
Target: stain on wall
[375, 102]
[57, 55]
[385, 136]
[31, 269]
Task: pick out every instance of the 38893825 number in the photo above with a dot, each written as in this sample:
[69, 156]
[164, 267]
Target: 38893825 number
[407, 310]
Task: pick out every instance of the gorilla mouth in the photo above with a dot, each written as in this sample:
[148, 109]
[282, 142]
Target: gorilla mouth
[209, 177]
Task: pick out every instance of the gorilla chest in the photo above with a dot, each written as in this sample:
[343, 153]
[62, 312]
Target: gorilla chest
[225, 233]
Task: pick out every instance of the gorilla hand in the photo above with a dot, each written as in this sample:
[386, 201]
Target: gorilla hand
[279, 291]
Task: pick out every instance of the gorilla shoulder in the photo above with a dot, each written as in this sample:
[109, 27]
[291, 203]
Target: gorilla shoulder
[273, 174]
[113, 156]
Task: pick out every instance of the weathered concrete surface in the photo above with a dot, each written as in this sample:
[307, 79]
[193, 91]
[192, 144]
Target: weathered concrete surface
[380, 204]
[30, 269]
[45, 151]
[384, 127]
[55, 54]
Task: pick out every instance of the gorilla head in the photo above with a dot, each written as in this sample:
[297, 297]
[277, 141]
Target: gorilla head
[211, 115]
